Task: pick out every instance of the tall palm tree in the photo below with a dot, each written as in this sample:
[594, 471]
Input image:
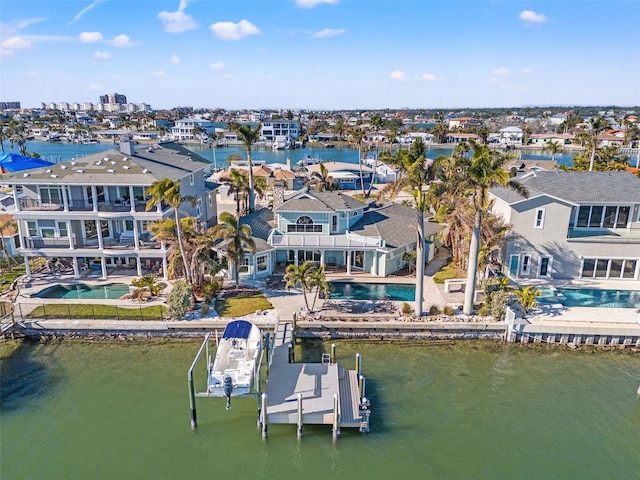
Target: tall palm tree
[552, 147]
[9, 225]
[598, 125]
[239, 186]
[168, 191]
[485, 170]
[415, 175]
[376, 125]
[322, 180]
[357, 136]
[303, 277]
[248, 136]
[237, 240]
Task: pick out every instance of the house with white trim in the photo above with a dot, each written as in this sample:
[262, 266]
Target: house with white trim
[574, 225]
[336, 230]
[90, 213]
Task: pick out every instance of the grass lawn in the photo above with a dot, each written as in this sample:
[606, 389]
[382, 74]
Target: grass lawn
[108, 312]
[242, 305]
[445, 273]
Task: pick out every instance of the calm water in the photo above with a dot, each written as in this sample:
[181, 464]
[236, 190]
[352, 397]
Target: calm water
[373, 291]
[110, 291]
[120, 411]
[61, 152]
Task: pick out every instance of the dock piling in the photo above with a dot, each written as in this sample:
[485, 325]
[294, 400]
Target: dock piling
[358, 364]
[299, 415]
[333, 353]
[361, 387]
[264, 415]
[192, 402]
[336, 416]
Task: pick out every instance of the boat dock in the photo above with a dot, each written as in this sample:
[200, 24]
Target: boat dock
[312, 393]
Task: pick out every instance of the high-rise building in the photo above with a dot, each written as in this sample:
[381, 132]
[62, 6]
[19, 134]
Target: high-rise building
[9, 105]
[113, 98]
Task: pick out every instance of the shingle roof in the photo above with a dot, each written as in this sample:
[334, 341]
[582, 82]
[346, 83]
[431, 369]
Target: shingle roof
[577, 187]
[394, 223]
[312, 201]
[147, 165]
[261, 223]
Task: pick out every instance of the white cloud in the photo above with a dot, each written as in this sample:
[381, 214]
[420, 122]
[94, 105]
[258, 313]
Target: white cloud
[526, 71]
[90, 37]
[175, 59]
[122, 41]
[217, 66]
[430, 77]
[398, 75]
[15, 43]
[178, 21]
[11, 28]
[313, 3]
[329, 32]
[158, 73]
[102, 55]
[85, 10]
[234, 31]
[531, 16]
[501, 71]
[95, 87]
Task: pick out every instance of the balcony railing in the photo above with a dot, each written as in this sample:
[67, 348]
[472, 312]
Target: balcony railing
[108, 243]
[340, 241]
[81, 205]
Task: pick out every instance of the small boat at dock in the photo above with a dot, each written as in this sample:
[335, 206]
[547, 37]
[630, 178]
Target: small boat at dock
[237, 358]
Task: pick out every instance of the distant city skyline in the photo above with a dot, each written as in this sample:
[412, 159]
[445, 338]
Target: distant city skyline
[321, 54]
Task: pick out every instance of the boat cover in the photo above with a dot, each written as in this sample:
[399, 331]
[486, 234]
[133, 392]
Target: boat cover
[237, 329]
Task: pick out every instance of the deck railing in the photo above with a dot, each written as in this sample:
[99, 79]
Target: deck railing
[347, 240]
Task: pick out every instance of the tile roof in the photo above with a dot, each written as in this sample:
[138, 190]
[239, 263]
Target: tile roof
[577, 187]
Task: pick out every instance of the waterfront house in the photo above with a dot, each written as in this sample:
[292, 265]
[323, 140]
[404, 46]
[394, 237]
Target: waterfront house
[333, 229]
[347, 175]
[183, 128]
[90, 213]
[272, 130]
[574, 225]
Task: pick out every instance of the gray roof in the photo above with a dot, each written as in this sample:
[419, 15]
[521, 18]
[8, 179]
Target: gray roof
[261, 223]
[144, 167]
[577, 187]
[394, 223]
[310, 200]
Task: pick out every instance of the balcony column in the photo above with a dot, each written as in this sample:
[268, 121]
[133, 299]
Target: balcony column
[15, 198]
[136, 239]
[76, 270]
[27, 268]
[94, 198]
[21, 233]
[99, 232]
[321, 257]
[295, 257]
[374, 265]
[164, 268]
[103, 265]
[132, 201]
[138, 266]
[65, 200]
[70, 233]
[348, 255]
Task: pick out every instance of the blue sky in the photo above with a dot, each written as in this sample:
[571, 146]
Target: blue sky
[321, 54]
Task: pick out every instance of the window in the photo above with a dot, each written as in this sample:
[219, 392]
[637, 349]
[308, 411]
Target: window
[304, 224]
[544, 269]
[334, 223]
[612, 268]
[51, 194]
[261, 263]
[191, 179]
[539, 218]
[199, 208]
[243, 265]
[33, 229]
[599, 216]
[526, 265]
[62, 229]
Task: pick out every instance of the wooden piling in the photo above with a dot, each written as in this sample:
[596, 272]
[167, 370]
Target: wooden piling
[358, 364]
[264, 415]
[333, 353]
[192, 401]
[299, 415]
[336, 416]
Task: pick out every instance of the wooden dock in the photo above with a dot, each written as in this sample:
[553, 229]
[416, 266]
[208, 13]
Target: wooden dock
[308, 393]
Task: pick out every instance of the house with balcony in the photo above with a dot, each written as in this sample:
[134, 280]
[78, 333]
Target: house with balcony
[336, 230]
[574, 225]
[91, 213]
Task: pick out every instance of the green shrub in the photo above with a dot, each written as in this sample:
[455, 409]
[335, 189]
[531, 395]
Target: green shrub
[434, 310]
[406, 308]
[445, 273]
[448, 310]
[210, 290]
[498, 304]
[179, 299]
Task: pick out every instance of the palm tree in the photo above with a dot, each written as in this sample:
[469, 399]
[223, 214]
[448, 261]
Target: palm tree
[239, 186]
[322, 180]
[413, 175]
[302, 276]
[485, 170]
[168, 191]
[237, 240]
[598, 125]
[248, 136]
[376, 125]
[358, 135]
[527, 296]
[553, 147]
[9, 225]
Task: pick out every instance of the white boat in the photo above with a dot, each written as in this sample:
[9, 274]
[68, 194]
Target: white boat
[237, 360]
[309, 160]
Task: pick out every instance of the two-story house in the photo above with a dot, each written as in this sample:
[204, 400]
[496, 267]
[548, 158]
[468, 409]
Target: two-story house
[91, 212]
[336, 230]
[574, 225]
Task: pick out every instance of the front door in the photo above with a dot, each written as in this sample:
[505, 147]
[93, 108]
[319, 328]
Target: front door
[514, 263]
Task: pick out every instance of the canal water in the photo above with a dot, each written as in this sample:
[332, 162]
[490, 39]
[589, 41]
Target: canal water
[62, 152]
[468, 410]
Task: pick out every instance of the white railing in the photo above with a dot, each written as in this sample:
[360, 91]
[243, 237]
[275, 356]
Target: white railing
[347, 240]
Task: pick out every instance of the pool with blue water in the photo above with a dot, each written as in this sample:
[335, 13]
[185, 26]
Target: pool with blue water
[373, 291]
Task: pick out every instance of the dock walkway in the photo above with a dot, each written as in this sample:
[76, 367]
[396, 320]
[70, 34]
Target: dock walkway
[317, 383]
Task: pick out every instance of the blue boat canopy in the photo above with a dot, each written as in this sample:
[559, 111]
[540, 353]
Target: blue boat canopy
[12, 162]
[237, 329]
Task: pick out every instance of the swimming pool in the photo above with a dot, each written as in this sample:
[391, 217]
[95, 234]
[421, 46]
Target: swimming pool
[111, 291]
[590, 297]
[373, 291]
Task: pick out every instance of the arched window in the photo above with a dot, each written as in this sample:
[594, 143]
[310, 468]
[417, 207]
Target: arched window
[304, 224]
